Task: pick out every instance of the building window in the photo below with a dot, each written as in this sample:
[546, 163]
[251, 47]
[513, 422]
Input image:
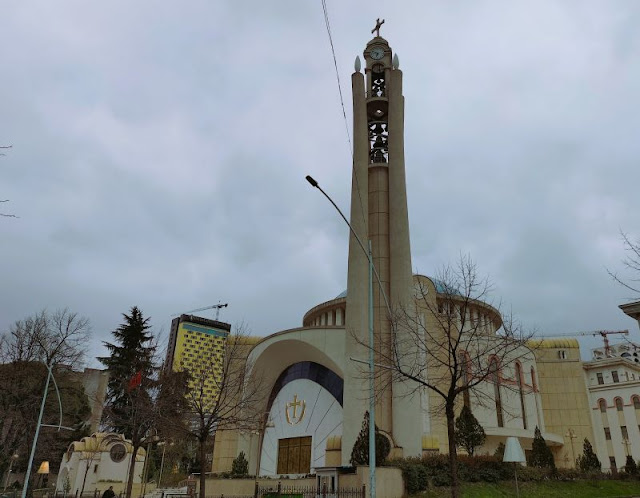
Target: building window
[603, 405]
[607, 434]
[534, 384]
[520, 391]
[614, 376]
[619, 406]
[464, 365]
[612, 463]
[495, 378]
[636, 402]
[600, 378]
[562, 354]
[625, 433]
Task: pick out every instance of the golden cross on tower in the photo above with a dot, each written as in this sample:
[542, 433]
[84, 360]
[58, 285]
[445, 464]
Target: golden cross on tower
[378, 26]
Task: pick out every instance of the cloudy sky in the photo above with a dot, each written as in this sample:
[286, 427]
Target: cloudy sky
[159, 151]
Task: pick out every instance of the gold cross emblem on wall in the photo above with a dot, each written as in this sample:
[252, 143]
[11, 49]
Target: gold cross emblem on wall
[293, 419]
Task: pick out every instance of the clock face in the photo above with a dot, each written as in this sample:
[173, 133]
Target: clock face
[377, 53]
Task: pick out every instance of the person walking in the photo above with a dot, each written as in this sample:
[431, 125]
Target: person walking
[109, 493]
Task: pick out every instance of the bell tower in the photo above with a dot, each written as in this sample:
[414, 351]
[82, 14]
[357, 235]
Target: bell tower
[379, 214]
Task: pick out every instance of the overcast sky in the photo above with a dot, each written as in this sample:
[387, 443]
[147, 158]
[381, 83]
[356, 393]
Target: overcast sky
[160, 149]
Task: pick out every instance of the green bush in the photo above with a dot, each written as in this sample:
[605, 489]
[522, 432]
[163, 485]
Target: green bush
[240, 466]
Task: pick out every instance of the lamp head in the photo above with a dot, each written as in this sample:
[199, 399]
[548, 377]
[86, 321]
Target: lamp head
[312, 181]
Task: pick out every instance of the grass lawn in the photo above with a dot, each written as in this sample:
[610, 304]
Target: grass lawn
[548, 489]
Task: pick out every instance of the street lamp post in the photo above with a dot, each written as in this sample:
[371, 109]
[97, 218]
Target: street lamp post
[40, 424]
[145, 469]
[13, 458]
[164, 449]
[372, 271]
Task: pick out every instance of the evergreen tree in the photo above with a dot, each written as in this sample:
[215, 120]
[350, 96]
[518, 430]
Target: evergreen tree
[360, 452]
[240, 466]
[589, 460]
[129, 407]
[469, 432]
[630, 466]
[541, 455]
[499, 453]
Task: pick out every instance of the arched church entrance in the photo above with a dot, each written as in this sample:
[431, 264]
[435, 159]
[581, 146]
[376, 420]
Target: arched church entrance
[304, 410]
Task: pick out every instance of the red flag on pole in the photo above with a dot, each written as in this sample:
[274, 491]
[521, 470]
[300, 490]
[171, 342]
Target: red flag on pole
[135, 381]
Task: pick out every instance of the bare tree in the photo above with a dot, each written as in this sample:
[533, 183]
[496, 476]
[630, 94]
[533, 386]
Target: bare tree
[51, 338]
[56, 340]
[448, 345]
[220, 392]
[630, 262]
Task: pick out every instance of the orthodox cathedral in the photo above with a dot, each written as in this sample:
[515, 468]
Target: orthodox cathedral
[315, 377]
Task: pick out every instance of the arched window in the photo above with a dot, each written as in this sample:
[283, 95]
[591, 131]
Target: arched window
[465, 374]
[534, 384]
[636, 402]
[521, 393]
[603, 405]
[619, 405]
[495, 379]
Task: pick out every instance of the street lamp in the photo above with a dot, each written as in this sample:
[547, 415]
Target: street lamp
[164, 449]
[145, 470]
[40, 424]
[372, 407]
[13, 458]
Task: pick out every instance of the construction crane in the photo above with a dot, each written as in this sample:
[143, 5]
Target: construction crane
[602, 333]
[215, 306]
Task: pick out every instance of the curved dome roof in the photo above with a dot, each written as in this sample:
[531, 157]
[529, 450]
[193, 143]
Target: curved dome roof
[441, 288]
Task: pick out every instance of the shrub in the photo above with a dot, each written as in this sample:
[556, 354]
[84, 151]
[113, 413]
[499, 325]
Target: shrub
[240, 466]
[631, 467]
[360, 452]
[588, 460]
[541, 455]
[469, 432]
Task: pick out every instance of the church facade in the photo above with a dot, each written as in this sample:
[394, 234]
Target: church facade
[317, 394]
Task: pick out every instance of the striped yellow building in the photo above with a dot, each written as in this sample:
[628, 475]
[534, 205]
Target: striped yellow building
[197, 345]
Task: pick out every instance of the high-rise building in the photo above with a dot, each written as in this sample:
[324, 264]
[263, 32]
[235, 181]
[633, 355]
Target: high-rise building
[197, 345]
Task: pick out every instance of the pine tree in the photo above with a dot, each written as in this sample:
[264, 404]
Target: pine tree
[240, 466]
[589, 460]
[469, 433]
[630, 466]
[360, 452]
[541, 455]
[129, 407]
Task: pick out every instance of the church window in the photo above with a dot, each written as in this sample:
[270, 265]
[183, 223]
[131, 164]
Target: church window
[521, 393]
[465, 376]
[612, 463]
[607, 434]
[636, 402]
[614, 376]
[534, 384]
[603, 405]
[619, 405]
[495, 379]
[600, 378]
[625, 433]
[562, 354]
